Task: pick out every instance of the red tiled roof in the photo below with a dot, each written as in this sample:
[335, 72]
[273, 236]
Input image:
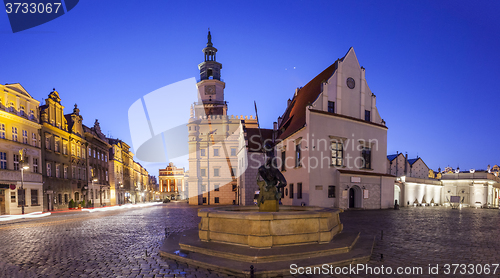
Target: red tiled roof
[294, 117]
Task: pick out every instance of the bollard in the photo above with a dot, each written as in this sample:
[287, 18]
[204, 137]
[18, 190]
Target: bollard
[251, 272]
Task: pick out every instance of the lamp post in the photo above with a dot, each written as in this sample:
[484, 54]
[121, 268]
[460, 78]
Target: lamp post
[208, 164]
[24, 166]
[94, 179]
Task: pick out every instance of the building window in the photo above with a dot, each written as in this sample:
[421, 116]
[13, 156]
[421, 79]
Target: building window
[216, 187]
[47, 143]
[291, 191]
[21, 194]
[235, 187]
[49, 170]
[78, 151]
[25, 137]
[73, 172]
[33, 139]
[367, 116]
[233, 151]
[216, 152]
[105, 158]
[203, 188]
[203, 172]
[21, 110]
[58, 171]
[297, 155]
[56, 145]
[14, 134]
[66, 197]
[283, 160]
[12, 196]
[35, 165]
[233, 171]
[331, 106]
[90, 152]
[367, 158]
[32, 115]
[34, 197]
[65, 172]
[331, 191]
[337, 148]
[204, 200]
[106, 175]
[98, 155]
[3, 160]
[94, 153]
[65, 148]
[72, 149]
[2, 131]
[216, 172]
[299, 190]
[16, 161]
[202, 152]
[216, 200]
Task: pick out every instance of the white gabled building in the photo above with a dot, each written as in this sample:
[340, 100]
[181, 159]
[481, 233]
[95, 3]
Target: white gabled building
[333, 142]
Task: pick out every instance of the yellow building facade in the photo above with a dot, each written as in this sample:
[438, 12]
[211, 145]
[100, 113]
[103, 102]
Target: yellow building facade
[19, 130]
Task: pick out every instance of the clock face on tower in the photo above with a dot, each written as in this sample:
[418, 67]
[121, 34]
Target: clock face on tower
[350, 83]
[210, 90]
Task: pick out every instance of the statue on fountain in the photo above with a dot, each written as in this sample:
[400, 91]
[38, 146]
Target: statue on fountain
[270, 180]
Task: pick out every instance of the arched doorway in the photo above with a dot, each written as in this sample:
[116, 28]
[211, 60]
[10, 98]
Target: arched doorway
[354, 197]
[397, 192]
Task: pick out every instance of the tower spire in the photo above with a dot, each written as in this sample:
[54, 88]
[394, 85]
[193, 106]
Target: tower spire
[209, 37]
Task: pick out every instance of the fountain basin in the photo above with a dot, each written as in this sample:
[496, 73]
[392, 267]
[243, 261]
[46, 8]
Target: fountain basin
[247, 226]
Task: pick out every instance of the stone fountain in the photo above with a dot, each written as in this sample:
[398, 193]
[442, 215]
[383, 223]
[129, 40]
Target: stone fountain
[265, 241]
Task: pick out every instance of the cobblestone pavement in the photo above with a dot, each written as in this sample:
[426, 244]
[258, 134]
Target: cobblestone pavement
[114, 243]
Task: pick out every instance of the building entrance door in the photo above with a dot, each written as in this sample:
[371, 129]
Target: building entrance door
[2, 202]
[351, 197]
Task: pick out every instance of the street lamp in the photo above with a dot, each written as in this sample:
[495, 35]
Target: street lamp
[24, 166]
[94, 179]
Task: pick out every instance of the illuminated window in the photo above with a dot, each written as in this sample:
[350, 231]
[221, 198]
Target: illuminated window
[35, 165]
[2, 131]
[56, 146]
[78, 152]
[25, 137]
[16, 161]
[366, 154]
[58, 171]
[49, 170]
[47, 143]
[337, 148]
[33, 139]
[14, 134]
[3, 160]
[65, 172]
[65, 148]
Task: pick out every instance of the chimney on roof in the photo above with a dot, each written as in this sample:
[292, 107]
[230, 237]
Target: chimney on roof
[297, 91]
[288, 102]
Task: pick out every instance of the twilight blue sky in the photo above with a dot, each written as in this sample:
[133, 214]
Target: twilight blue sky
[434, 65]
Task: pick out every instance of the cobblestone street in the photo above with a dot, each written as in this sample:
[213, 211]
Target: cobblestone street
[114, 243]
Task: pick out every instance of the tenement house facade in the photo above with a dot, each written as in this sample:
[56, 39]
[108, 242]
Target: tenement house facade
[19, 130]
[56, 163]
[100, 192]
[120, 165]
[172, 184]
[333, 142]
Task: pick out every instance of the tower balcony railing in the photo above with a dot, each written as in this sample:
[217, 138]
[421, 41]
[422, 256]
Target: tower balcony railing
[219, 102]
[210, 78]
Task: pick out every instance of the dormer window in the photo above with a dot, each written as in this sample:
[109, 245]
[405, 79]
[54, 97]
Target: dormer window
[21, 110]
